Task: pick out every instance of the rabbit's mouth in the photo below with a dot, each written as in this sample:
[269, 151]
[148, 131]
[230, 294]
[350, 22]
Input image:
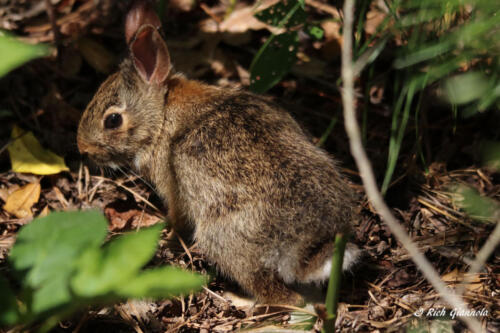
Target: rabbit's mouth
[100, 154]
[112, 161]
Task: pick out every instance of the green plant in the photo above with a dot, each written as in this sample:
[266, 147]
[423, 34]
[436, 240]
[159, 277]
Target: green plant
[276, 57]
[333, 291]
[15, 53]
[452, 43]
[480, 208]
[62, 266]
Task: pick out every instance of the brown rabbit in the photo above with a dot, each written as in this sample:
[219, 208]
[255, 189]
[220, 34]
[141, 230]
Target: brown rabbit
[264, 202]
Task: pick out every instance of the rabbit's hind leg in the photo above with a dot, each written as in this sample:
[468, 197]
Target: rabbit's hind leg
[269, 288]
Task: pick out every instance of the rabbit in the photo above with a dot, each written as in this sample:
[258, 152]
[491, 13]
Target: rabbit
[264, 202]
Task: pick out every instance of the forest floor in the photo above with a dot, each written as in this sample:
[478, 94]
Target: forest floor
[383, 293]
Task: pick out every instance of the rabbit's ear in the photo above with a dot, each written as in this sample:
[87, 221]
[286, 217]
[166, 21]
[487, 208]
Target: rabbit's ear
[141, 13]
[150, 55]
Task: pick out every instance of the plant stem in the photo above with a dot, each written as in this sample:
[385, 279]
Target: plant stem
[370, 184]
[332, 294]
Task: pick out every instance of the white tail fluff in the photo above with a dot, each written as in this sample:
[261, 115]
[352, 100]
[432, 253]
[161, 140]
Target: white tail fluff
[322, 274]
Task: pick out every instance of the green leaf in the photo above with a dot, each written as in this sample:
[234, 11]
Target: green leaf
[286, 13]
[52, 294]
[273, 61]
[9, 312]
[162, 282]
[476, 206]
[49, 246]
[47, 249]
[465, 88]
[101, 272]
[315, 32]
[15, 53]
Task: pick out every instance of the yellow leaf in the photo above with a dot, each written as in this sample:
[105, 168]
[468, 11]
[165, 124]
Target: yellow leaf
[27, 155]
[19, 202]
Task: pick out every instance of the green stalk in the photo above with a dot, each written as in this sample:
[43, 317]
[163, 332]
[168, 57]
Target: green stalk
[328, 131]
[332, 294]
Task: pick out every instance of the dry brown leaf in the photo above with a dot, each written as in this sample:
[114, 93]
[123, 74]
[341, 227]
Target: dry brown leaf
[476, 287]
[451, 276]
[374, 17]
[242, 19]
[333, 40]
[6, 191]
[45, 211]
[132, 218]
[455, 277]
[182, 5]
[376, 93]
[19, 203]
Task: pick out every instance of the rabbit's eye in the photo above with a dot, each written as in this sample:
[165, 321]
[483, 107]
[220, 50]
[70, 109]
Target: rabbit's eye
[113, 120]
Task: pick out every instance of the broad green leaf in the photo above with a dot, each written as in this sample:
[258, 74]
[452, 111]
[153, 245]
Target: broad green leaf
[9, 312]
[476, 206]
[52, 293]
[273, 61]
[465, 88]
[287, 13]
[161, 282]
[49, 246]
[100, 272]
[15, 53]
[28, 155]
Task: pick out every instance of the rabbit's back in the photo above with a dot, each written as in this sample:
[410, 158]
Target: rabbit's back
[253, 183]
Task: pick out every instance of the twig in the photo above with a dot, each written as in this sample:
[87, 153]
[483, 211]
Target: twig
[210, 13]
[128, 189]
[369, 182]
[185, 249]
[215, 295]
[55, 30]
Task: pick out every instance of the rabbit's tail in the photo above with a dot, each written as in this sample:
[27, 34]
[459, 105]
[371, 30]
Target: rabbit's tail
[352, 255]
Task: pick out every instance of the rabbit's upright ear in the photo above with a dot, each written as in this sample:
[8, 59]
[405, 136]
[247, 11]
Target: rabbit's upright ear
[141, 13]
[147, 47]
[150, 55]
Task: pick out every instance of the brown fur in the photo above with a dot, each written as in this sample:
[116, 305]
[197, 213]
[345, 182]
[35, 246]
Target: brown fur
[264, 202]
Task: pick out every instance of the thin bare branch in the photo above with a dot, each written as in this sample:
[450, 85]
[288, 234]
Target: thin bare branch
[369, 182]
